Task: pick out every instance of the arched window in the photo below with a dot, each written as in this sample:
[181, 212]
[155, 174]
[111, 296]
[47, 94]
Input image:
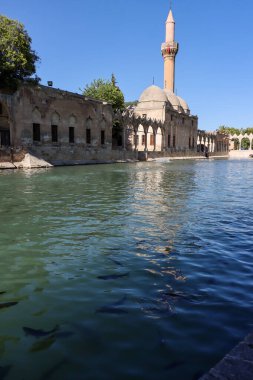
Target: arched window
[36, 116]
[88, 130]
[55, 119]
[4, 127]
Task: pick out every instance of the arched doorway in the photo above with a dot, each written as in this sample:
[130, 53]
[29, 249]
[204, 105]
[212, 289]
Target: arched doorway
[236, 144]
[245, 144]
[4, 126]
[117, 135]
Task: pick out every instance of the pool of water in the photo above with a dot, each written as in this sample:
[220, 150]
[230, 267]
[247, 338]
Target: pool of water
[125, 271]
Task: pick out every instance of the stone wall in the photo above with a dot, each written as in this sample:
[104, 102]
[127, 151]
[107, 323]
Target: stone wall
[240, 153]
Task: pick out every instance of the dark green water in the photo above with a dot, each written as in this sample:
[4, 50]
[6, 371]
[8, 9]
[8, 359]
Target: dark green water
[139, 271]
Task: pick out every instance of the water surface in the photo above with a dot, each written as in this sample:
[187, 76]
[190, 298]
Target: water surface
[125, 271]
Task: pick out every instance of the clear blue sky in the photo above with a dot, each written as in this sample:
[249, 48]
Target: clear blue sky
[80, 40]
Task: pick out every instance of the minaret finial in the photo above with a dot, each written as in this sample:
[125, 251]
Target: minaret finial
[170, 4]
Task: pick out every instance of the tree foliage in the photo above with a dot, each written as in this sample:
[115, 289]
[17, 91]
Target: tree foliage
[17, 59]
[234, 131]
[131, 103]
[248, 131]
[229, 130]
[106, 90]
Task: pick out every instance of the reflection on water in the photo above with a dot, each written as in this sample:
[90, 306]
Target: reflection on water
[124, 271]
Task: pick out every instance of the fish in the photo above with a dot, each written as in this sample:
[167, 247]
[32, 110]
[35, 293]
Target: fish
[7, 304]
[39, 313]
[119, 302]
[113, 276]
[43, 344]
[175, 364]
[115, 261]
[38, 289]
[2, 292]
[4, 371]
[38, 333]
[176, 294]
[113, 308]
[180, 295]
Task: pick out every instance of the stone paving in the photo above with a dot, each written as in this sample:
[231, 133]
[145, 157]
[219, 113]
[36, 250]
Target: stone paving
[237, 365]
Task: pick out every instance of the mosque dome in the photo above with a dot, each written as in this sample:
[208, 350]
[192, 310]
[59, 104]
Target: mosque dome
[184, 105]
[173, 99]
[153, 93]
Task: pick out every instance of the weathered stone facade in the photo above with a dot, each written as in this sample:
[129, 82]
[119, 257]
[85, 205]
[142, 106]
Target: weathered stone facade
[57, 125]
[158, 126]
[212, 142]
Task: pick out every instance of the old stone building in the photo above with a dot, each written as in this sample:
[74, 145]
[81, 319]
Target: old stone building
[57, 125]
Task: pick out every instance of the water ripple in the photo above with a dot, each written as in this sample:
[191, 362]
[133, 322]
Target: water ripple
[134, 261]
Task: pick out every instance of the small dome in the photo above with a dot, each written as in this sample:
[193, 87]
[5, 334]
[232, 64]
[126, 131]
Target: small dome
[184, 105]
[153, 93]
[173, 99]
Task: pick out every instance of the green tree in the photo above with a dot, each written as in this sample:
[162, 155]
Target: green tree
[131, 103]
[17, 59]
[229, 130]
[106, 90]
[248, 130]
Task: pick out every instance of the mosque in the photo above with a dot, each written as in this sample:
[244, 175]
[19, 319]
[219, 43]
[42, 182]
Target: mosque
[66, 128]
[179, 128]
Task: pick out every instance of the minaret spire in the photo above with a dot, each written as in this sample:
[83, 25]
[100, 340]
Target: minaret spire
[169, 52]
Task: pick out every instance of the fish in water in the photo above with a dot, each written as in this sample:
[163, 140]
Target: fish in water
[2, 293]
[113, 276]
[113, 308]
[7, 304]
[115, 261]
[38, 333]
[4, 371]
[183, 296]
[43, 344]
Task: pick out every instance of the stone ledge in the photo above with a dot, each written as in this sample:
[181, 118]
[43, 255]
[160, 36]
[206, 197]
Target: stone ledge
[237, 365]
[7, 165]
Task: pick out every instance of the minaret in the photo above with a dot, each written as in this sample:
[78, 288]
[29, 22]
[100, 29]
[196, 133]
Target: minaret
[169, 52]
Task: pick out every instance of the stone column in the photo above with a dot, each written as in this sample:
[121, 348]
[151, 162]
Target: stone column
[163, 146]
[135, 139]
[171, 136]
[146, 141]
[124, 137]
[154, 134]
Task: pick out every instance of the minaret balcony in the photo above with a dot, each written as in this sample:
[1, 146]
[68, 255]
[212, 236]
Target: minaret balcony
[169, 48]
